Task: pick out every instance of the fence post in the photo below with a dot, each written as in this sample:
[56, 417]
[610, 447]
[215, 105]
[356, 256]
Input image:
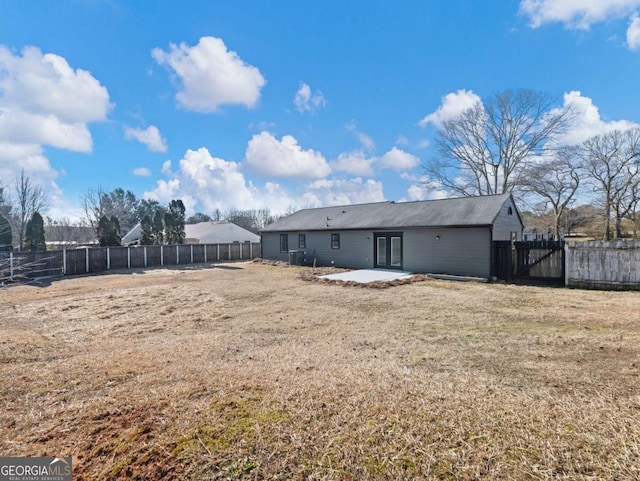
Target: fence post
[229, 247]
[205, 253]
[11, 265]
[64, 261]
[87, 259]
[192, 253]
[241, 244]
[565, 264]
[162, 255]
[145, 256]
[218, 252]
[128, 257]
[250, 250]
[177, 254]
[108, 259]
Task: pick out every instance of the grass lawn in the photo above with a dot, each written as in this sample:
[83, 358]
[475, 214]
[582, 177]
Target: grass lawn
[247, 371]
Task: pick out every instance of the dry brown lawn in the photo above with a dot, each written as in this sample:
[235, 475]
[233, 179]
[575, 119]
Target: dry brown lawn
[247, 371]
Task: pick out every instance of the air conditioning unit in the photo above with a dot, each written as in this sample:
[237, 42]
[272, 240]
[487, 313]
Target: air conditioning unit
[296, 258]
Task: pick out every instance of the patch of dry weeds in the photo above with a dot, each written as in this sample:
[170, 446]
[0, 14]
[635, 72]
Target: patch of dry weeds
[252, 373]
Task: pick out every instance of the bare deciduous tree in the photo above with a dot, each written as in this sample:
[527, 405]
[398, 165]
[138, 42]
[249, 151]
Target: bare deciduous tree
[252, 220]
[124, 205]
[487, 148]
[30, 198]
[92, 206]
[555, 182]
[612, 161]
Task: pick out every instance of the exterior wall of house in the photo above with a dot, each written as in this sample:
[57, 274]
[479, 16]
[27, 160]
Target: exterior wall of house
[457, 251]
[506, 223]
[356, 248]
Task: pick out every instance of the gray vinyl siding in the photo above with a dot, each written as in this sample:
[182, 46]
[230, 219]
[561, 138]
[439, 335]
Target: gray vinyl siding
[457, 251]
[356, 248]
[271, 247]
[505, 224]
[356, 251]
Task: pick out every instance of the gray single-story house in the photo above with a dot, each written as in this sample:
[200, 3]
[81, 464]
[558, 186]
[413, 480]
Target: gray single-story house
[446, 236]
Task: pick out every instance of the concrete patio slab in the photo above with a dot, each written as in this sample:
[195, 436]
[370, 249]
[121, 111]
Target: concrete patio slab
[368, 275]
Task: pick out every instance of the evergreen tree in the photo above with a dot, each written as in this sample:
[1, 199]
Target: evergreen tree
[109, 231]
[174, 223]
[146, 231]
[5, 234]
[157, 227]
[34, 234]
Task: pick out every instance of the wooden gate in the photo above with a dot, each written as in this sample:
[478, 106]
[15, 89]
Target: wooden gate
[530, 262]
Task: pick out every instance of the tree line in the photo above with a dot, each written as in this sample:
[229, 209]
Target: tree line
[107, 216]
[513, 142]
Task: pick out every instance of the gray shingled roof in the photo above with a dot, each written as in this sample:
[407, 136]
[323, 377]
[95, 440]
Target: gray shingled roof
[459, 212]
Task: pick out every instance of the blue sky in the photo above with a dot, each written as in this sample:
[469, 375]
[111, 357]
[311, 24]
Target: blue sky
[283, 104]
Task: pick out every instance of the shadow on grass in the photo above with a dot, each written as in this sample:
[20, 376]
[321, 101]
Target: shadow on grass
[46, 281]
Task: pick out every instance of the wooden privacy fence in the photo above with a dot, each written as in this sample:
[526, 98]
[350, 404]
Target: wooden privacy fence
[604, 265]
[31, 265]
[529, 261]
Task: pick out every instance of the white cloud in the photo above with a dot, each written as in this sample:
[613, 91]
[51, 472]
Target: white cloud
[575, 14]
[206, 183]
[356, 163]
[587, 121]
[452, 106]
[423, 188]
[270, 157]
[399, 160]
[166, 168]
[209, 75]
[305, 101]
[633, 33]
[45, 102]
[366, 141]
[405, 142]
[343, 192]
[142, 172]
[150, 137]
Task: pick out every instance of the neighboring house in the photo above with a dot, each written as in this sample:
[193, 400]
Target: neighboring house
[448, 236]
[204, 233]
[536, 234]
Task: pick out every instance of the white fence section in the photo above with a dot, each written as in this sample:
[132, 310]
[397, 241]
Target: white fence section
[603, 265]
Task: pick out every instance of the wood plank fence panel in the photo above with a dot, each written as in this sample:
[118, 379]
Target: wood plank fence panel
[118, 258]
[185, 254]
[97, 260]
[604, 265]
[76, 261]
[30, 265]
[198, 253]
[170, 256]
[154, 255]
[136, 255]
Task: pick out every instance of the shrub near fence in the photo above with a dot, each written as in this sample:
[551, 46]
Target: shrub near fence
[31, 265]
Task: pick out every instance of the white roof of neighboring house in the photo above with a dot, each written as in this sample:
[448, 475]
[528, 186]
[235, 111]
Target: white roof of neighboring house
[205, 233]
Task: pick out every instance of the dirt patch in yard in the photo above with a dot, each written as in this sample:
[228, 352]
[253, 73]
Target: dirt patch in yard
[245, 371]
